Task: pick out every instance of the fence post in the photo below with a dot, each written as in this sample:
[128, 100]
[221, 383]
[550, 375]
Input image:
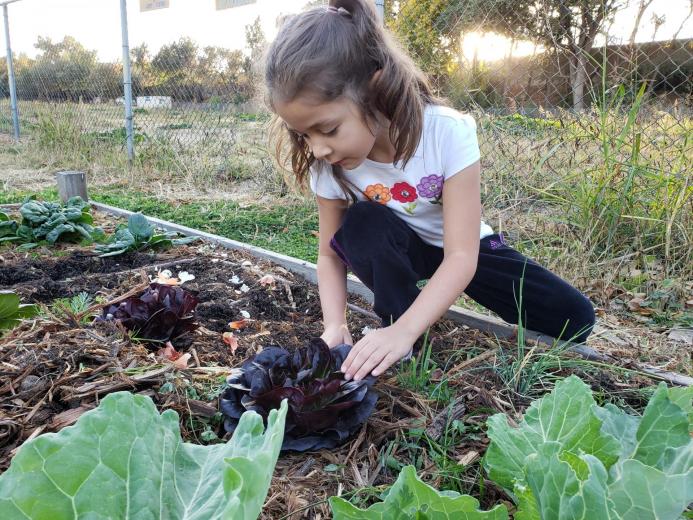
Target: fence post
[71, 184]
[380, 7]
[10, 73]
[127, 80]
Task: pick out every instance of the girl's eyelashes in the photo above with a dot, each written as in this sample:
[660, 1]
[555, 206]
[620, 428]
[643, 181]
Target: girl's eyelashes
[333, 131]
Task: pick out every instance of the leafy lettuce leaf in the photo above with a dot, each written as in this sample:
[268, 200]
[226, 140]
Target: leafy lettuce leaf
[410, 498]
[125, 460]
[161, 313]
[324, 409]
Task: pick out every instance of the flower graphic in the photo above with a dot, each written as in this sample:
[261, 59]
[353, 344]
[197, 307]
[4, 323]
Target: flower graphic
[403, 192]
[378, 193]
[431, 187]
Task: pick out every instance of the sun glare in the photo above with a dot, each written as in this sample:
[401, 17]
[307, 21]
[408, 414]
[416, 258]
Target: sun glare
[489, 47]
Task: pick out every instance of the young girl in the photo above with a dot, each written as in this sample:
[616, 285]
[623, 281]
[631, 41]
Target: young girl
[396, 175]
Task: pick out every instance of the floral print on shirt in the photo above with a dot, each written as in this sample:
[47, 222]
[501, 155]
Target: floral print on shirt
[429, 187]
[378, 193]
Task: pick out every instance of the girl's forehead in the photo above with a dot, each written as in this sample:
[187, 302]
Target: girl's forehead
[303, 112]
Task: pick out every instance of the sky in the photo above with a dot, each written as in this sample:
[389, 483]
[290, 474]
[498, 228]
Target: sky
[96, 24]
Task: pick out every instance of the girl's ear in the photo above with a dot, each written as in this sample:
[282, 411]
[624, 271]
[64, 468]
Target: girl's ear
[374, 78]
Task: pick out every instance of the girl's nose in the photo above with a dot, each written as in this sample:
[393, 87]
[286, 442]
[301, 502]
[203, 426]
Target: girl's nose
[321, 150]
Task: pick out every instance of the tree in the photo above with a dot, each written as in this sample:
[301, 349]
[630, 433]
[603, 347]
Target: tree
[62, 71]
[566, 26]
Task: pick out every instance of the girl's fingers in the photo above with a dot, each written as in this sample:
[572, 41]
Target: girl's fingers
[353, 353]
[386, 363]
[373, 360]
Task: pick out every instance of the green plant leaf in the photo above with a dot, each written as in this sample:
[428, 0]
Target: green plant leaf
[646, 493]
[411, 498]
[11, 311]
[125, 460]
[651, 480]
[140, 227]
[564, 416]
[565, 486]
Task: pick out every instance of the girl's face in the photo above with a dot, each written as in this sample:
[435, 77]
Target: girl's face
[335, 131]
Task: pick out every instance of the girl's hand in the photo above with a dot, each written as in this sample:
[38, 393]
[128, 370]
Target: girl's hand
[336, 335]
[376, 352]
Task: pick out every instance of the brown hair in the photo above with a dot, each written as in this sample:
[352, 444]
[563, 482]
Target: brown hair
[335, 51]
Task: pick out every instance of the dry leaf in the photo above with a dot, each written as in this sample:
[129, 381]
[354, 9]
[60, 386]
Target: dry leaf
[238, 325]
[230, 340]
[182, 362]
[268, 279]
[468, 458]
[636, 305]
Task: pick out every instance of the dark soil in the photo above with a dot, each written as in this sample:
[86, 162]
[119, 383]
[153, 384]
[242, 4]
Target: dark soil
[59, 365]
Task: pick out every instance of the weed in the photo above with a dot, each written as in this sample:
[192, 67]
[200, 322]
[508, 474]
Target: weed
[72, 308]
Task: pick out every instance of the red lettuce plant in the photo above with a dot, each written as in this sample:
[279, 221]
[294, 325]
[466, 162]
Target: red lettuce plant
[162, 313]
[324, 409]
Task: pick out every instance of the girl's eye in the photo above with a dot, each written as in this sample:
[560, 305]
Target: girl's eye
[332, 132]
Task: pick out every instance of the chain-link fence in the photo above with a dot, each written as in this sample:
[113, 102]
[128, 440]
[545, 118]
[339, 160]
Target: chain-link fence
[587, 102]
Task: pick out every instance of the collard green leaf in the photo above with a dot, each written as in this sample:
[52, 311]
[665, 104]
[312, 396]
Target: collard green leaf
[12, 311]
[565, 486]
[564, 416]
[646, 493]
[125, 460]
[411, 498]
[664, 426]
[651, 480]
[140, 227]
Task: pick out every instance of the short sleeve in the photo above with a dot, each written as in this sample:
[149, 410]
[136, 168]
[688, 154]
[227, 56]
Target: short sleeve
[323, 184]
[459, 145]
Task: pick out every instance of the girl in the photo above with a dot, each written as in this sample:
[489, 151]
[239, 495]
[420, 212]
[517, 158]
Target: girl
[396, 175]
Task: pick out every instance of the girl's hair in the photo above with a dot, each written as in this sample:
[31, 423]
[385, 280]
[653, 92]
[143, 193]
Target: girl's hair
[334, 51]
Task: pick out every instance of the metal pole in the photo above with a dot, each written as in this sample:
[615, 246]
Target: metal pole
[380, 7]
[127, 80]
[10, 71]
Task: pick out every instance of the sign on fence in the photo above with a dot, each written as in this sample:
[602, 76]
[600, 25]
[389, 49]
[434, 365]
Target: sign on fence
[150, 5]
[228, 4]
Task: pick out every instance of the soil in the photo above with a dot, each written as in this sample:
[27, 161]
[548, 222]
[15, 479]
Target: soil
[57, 366]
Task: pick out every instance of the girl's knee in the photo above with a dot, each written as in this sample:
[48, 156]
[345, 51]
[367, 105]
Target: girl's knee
[580, 318]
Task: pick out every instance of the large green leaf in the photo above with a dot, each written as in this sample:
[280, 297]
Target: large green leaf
[140, 227]
[651, 480]
[566, 486]
[411, 498]
[564, 416]
[646, 493]
[124, 460]
[11, 311]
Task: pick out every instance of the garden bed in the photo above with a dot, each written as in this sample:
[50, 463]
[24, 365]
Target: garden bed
[61, 363]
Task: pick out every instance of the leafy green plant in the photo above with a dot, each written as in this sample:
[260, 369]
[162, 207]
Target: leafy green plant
[125, 460]
[12, 311]
[52, 221]
[137, 235]
[8, 227]
[416, 373]
[73, 307]
[410, 497]
[573, 456]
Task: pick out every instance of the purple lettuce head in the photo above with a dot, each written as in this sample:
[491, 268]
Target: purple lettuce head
[324, 409]
[161, 313]
[431, 187]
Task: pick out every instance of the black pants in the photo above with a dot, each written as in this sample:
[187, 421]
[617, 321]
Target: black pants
[390, 258]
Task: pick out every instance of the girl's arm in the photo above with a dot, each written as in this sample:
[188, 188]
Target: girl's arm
[332, 274]
[461, 220]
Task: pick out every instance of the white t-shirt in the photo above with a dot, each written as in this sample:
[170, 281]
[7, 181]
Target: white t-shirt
[448, 144]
